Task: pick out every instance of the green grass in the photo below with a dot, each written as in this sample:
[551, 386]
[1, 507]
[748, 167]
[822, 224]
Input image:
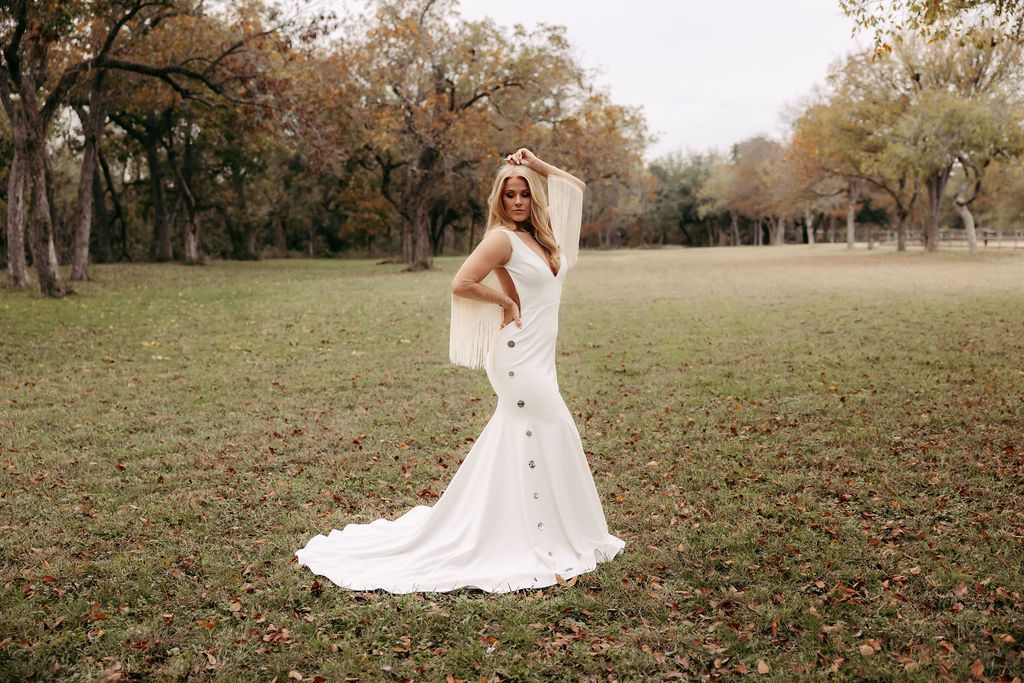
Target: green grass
[815, 458]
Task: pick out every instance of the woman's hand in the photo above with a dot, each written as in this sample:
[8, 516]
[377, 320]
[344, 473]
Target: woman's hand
[524, 157]
[510, 312]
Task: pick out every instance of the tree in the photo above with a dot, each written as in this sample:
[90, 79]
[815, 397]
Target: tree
[757, 162]
[446, 97]
[187, 93]
[848, 136]
[937, 20]
[676, 205]
[718, 195]
[34, 82]
[979, 132]
[949, 89]
[47, 51]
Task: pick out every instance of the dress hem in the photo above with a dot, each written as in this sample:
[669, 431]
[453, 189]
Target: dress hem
[601, 553]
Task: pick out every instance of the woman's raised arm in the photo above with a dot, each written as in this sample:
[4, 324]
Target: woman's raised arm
[524, 157]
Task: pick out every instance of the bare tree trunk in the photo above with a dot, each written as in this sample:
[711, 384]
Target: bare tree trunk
[252, 249]
[935, 188]
[831, 228]
[809, 222]
[92, 126]
[964, 209]
[40, 225]
[758, 232]
[192, 225]
[57, 227]
[193, 220]
[280, 239]
[852, 197]
[160, 248]
[118, 210]
[420, 250]
[901, 233]
[17, 266]
[776, 230]
[312, 237]
[407, 238]
[105, 252]
[735, 225]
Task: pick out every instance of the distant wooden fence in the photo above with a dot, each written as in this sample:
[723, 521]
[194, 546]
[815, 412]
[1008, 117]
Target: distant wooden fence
[987, 239]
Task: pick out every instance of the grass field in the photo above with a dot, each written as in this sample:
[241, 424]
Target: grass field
[815, 457]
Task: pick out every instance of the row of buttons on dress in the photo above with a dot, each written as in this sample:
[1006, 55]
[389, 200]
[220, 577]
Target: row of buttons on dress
[532, 464]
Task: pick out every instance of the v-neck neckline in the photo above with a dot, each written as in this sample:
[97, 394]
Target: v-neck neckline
[554, 276]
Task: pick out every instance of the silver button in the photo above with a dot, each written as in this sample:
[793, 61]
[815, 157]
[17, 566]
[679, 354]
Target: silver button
[536, 495]
[532, 464]
[540, 526]
[511, 343]
[529, 433]
[520, 403]
[511, 373]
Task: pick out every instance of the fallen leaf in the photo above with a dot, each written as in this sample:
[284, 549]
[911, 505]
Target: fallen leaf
[762, 667]
[977, 669]
[562, 582]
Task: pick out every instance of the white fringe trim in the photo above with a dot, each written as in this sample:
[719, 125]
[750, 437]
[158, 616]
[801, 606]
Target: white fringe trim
[474, 327]
[565, 205]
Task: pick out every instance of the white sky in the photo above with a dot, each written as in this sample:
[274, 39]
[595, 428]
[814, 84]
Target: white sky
[707, 73]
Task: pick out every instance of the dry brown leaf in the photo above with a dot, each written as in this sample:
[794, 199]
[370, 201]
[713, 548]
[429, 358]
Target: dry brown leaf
[762, 667]
[562, 582]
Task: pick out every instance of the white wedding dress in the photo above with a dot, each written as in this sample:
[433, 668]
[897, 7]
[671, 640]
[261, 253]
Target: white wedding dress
[522, 509]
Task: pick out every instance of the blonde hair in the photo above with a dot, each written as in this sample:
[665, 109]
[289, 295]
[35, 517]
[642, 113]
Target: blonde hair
[540, 220]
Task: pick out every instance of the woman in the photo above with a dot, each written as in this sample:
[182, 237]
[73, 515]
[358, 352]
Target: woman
[522, 511]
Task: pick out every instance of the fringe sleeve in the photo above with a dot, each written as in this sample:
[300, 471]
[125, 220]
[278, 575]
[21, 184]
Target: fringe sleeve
[565, 205]
[474, 327]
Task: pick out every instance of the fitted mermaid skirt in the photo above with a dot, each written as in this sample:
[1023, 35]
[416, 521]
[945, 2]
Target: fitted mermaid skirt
[522, 510]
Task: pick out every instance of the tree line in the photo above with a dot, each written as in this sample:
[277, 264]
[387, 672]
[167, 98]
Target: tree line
[924, 134]
[179, 130]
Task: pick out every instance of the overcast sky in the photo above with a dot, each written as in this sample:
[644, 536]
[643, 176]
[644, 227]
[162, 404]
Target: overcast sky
[707, 73]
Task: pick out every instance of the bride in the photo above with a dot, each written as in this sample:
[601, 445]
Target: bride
[522, 511]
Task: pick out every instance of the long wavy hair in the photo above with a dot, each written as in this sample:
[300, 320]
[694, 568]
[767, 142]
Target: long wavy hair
[540, 222]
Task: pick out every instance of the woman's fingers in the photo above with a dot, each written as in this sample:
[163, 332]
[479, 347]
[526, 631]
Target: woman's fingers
[520, 156]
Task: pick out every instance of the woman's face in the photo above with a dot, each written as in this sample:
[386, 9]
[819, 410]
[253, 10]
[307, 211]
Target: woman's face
[515, 199]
